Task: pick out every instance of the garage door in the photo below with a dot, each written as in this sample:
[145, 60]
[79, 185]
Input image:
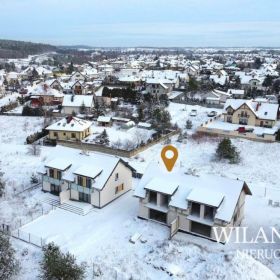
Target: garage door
[201, 229]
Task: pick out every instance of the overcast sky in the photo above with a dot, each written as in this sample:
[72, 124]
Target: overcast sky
[182, 23]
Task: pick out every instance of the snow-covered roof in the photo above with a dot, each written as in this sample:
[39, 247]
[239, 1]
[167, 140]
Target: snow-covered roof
[236, 91]
[88, 164]
[104, 119]
[70, 124]
[44, 90]
[129, 79]
[88, 171]
[207, 189]
[144, 124]
[162, 185]
[59, 163]
[206, 196]
[77, 100]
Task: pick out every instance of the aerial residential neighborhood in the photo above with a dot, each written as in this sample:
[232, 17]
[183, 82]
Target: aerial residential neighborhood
[139, 140]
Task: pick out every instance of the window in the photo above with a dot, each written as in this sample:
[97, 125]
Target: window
[80, 180]
[59, 175]
[153, 197]
[209, 212]
[195, 209]
[55, 134]
[88, 183]
[119, 188]
[116, 176]
[73, 135]
[165, 200]
[51, 173]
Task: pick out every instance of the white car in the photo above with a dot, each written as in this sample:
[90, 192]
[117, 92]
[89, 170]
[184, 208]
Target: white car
[193, 113]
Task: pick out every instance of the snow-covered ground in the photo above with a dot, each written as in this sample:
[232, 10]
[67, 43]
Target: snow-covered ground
[8, 98]
[180, 113]
[120, 137]
[102, 237]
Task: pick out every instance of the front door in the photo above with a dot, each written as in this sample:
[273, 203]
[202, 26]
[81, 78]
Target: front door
[55, 189]
[261, 124]
[84, 197]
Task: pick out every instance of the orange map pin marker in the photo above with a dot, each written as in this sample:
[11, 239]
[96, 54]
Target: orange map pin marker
[168, 160]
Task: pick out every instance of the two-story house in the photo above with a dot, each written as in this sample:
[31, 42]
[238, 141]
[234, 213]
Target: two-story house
[94, 178]
[193, 204]
[157, 87]
[250, 112]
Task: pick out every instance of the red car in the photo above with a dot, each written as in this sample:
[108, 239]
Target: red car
[243, 129]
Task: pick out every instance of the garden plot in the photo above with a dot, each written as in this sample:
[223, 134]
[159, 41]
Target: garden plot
[180, 113]
[120, 138]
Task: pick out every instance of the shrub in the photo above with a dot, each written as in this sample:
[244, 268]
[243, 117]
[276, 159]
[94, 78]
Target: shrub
[9, 266]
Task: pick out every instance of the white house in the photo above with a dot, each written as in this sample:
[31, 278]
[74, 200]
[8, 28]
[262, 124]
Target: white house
[75, 103]
[94, 178]
[193, 204]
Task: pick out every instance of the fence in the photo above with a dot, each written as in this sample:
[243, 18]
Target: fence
[28, 237]
[202, 104]
[112, 151]
[15, 231]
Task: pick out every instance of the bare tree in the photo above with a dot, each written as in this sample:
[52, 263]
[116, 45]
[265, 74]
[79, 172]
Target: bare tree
[34, 149]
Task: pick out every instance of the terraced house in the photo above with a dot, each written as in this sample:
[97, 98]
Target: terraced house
[94, 178]
[250, 112]
[190, 203]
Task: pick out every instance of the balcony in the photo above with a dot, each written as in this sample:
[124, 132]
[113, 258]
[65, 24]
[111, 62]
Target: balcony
[51, 180]
[81, 189]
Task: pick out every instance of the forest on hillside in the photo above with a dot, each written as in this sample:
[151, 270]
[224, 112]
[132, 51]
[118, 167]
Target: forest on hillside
[20, 49]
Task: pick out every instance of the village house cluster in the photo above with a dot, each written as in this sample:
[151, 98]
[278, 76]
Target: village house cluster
[112, 107]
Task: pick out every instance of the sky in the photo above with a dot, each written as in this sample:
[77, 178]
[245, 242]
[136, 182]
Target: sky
[155, 23]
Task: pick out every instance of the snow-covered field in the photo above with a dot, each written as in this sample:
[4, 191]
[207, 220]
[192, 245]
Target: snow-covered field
[102, 237]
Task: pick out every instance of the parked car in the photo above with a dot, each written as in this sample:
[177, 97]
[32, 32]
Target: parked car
[212, 114]
[243, 129]
[193, 113]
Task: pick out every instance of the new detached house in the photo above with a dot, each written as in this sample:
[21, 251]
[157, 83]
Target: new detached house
[94, 178]
[189, 203]
[250, 112]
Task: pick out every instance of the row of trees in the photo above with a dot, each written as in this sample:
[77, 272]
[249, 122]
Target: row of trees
[55, 264]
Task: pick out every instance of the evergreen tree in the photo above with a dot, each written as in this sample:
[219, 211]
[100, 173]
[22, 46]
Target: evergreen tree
[34, 74]
[9, 266]
[257, 63]
[189, 124]
[267, 81]
[226, 150]
[70, 69]
[34, 179]
[103, 138]
[59, 266]
[83, 108]
[193, 84]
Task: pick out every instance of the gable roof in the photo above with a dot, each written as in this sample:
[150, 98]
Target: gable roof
[77, 100]
[266, 111]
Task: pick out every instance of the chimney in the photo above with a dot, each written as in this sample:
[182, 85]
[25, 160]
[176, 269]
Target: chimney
[258, 106]
[69, 119]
